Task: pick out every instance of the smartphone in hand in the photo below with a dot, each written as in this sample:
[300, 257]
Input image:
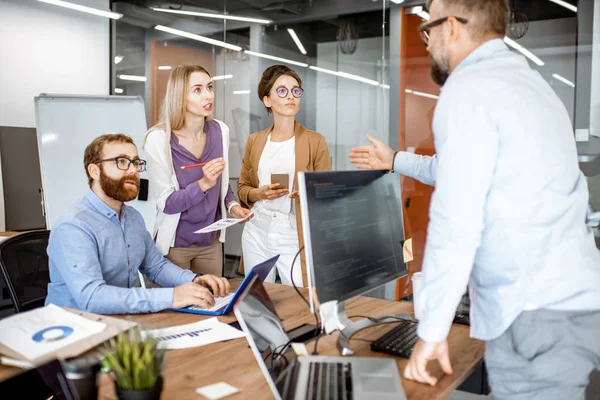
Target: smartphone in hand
[282, 179]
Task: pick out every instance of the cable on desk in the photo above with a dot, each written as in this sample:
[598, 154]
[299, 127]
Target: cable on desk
[316, 313]
[292, 277]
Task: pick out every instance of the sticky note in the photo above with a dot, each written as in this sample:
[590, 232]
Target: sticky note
[217, 390]
[407, 250]
[300, 349]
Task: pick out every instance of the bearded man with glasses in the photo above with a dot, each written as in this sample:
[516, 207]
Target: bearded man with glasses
[98, 247]
[507, 215]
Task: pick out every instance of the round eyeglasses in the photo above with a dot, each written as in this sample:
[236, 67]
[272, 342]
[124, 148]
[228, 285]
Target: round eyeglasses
[282, 92]
[123, 163]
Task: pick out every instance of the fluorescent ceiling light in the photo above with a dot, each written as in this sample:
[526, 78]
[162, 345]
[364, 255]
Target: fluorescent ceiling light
[89, 10]
[197, 37]
[285, 60]
[297, 41]
[565, 5]
[386, 86]
[136, 78]
[563, 80]
[345, 75]
[164, 67]
[421, 94]
[524, 51]
[118, 59]
[397, 1]
[212, 15]
[118, 90]
[241, 92]
[221, 77]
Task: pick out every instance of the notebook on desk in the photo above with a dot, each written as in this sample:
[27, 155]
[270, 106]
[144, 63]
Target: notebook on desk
[309, 377]
[224, 305]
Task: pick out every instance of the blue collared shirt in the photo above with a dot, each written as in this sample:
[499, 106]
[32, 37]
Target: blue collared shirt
[508, 212]
[95, 257]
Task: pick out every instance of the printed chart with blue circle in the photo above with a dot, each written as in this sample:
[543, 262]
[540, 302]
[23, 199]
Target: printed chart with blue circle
[52, 334]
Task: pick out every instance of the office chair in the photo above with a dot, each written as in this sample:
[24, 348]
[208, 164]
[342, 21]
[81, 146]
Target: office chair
[24, 267]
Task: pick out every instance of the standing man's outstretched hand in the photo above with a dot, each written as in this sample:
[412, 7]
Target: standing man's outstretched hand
[379, 156]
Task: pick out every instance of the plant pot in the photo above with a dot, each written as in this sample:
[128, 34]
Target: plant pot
[147, 394]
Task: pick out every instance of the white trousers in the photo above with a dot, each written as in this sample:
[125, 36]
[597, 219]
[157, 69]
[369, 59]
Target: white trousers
[267, 235]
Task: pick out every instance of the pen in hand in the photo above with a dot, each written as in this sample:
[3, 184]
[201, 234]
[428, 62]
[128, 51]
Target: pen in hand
[193, 165]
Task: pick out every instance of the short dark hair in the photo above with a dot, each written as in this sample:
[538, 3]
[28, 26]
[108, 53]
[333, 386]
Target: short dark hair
[269, 77]
[486, 17]
[93, 152]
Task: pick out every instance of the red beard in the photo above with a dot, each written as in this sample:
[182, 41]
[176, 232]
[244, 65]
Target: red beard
[117, 188]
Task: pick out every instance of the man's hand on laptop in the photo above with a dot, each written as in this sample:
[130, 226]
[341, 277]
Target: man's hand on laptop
[218, 286]
[192, 294]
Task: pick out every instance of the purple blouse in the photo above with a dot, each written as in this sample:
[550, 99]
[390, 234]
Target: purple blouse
[198, 209]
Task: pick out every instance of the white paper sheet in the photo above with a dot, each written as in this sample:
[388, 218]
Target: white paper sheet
[217, 390]
[41, 331]
[222, 224]
[192, 335]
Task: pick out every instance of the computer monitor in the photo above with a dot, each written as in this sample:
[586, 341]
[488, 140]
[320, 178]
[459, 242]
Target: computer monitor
[353, 233]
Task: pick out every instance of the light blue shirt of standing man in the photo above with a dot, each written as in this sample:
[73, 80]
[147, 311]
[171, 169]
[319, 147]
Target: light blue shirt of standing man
[508, 212]
[95, 257]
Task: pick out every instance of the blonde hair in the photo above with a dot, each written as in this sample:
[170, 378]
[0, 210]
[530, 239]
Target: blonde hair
[174, 105]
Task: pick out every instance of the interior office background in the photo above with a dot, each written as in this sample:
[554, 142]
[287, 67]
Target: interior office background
[364, 70]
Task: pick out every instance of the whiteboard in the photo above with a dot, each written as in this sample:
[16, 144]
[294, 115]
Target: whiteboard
[65, 126]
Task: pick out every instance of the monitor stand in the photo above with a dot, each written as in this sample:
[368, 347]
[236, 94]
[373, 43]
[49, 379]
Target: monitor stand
[349, 328]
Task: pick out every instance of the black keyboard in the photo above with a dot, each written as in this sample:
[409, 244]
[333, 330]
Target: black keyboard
[400, 341]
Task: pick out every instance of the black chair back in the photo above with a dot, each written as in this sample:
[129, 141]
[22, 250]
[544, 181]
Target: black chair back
[24, 267]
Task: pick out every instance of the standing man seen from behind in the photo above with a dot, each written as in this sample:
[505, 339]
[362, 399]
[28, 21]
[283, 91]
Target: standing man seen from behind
[97, 248]
[508, 213]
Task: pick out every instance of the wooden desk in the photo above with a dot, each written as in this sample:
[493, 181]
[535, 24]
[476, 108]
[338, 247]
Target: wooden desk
[234, 363]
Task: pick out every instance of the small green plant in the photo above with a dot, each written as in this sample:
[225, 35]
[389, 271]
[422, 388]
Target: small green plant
[135, 360]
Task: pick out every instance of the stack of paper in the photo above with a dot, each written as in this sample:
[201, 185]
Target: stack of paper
[42, 331]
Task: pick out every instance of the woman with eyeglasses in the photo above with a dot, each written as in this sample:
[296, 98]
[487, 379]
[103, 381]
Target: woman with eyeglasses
[189, 174]
[268, 183]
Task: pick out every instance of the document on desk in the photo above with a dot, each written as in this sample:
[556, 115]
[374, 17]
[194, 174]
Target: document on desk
[44, 330]
[193, 335]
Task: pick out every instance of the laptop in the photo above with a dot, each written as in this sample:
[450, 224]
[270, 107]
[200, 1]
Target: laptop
[309, 377]
[46, 381]
[223, 305]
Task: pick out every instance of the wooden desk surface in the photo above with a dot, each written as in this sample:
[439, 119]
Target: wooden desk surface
[234, 363]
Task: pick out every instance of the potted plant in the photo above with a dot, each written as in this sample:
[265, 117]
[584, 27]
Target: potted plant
[136, 363]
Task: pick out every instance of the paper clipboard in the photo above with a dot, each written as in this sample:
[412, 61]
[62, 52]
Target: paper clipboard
[114, 326]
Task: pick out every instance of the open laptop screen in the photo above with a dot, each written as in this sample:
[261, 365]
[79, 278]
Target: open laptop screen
[261, 319]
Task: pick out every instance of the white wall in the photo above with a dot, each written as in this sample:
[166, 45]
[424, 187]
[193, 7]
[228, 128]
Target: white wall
[48, 49]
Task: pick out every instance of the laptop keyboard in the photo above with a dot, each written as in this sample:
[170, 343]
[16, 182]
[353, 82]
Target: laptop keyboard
[220, 302]
[328, 381]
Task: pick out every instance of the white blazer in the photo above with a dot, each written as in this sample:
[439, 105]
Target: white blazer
[163, 182]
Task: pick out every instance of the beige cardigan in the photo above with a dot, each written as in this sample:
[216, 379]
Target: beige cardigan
[312, 154]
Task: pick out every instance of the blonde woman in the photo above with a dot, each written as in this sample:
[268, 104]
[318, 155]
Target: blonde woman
[188, 199]
[285, 148]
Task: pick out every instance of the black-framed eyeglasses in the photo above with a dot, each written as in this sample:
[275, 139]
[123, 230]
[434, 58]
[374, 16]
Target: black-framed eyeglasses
[282, 91]
[426, 28]
[123, 163]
